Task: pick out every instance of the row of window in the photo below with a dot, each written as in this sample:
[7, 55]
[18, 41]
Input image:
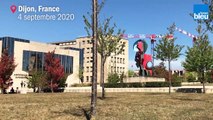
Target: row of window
[117, 60]
[67, 43]
[117, 69]
[89, 50]
[88, 59]
[86, 42]
[89, 69]
[35, 61]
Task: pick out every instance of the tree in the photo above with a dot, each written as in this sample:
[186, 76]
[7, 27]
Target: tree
[199, 58]
[166, 50]
[93, 28]
[160, 71]
[81, 74]
[209, 22]
[54, 70]
[7, 66]
[37, 80]
[131, 73]
[108, 43]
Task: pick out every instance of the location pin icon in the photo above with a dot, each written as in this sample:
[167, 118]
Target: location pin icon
[13, 8]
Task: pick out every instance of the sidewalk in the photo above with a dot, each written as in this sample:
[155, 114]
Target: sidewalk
[209, 89]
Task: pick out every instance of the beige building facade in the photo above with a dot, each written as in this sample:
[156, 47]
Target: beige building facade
[29, 54]
[114, 63]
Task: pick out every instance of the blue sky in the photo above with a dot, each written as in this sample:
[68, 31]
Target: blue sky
[134, 16]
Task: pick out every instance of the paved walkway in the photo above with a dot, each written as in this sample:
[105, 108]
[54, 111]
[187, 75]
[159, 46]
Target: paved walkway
[209, 89]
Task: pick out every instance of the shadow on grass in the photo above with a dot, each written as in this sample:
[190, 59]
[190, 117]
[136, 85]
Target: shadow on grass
[107, 98]
[187, 99]
[78, 112]
[152, 93]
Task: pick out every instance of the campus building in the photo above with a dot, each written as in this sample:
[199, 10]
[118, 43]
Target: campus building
[29, 55]
[114, 63]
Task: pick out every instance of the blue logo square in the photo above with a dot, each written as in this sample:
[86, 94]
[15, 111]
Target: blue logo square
[201, 8]
[201, 12]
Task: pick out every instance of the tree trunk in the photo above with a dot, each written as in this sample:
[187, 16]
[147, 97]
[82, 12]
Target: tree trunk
[94, 73]
[2, 89]
[39, 89]
[102, 77]
[170, 82]
[34, 89]
[203, 79]
[51, 85]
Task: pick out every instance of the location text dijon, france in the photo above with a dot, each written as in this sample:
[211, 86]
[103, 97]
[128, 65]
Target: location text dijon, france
[28, 9]
[41, 13]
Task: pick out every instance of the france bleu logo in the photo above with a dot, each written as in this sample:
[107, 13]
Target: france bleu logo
[201, 12]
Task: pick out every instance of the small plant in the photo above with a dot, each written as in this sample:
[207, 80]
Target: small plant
[113, 78]
[191, 78]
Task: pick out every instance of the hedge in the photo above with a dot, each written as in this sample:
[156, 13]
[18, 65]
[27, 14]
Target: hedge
[81, 85]
[162, 84]
[138, 85]
[124, 85]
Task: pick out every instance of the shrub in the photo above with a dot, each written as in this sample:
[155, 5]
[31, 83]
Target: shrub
[191, 78]
[81, 85]
[162, 84]
[177, 78]
[113, 78]
[124, 85]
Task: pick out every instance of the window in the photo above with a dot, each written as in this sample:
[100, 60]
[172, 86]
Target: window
[91, 49]
[91, 69]
[87, 78]
[123, 52]
[117, 60]
[88, 50]
[39, 61]
[87, 69]
[35, 61]
[120, 60]
[121, 69]
[87, 59]
[112, 59]
[90, 78]
[88, 42]
[83, 42]
[25, 64]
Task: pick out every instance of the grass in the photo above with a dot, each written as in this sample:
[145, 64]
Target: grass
[117, 106]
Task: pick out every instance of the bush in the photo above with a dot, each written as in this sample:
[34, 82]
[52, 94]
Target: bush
[123, 85]
[191, 78]
[176, 78]
[113, 78]
[81, 85]
[139, 85]
[162, 84]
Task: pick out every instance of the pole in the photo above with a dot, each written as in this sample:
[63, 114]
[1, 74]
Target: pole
[94, 70]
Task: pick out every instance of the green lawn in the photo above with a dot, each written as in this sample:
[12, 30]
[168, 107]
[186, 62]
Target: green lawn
[117, 106]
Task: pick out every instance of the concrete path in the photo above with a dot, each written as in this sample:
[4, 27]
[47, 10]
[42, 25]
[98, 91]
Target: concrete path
[209, 89]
